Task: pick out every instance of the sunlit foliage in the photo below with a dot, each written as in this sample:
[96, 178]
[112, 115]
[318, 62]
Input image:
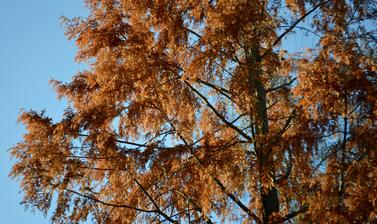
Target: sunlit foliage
[196, 111]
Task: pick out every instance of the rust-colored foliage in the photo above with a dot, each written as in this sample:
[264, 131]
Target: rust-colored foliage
[192, 111]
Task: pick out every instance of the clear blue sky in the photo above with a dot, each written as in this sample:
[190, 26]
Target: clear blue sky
[33, 49]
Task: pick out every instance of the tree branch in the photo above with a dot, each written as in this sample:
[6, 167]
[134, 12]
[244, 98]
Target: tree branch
[281, 86]
[216, 180]
[291, 215]
[159, 211]
[237, 201]
[281, 36]
[289, 168]
[109, 204]
[229, 124]
[222, 90]
[285, 128]
[302, 28]
[221, 185]
[209, 221]
[298, 21]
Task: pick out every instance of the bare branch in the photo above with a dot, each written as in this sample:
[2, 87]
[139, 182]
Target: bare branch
[303, 28]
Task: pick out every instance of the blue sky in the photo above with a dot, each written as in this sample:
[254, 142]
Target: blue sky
[33, 49]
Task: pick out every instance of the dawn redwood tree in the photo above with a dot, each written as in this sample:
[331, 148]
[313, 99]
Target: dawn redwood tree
[196, 111]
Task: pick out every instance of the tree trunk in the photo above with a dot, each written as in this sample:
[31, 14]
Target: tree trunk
[270, 202]
[270, 199]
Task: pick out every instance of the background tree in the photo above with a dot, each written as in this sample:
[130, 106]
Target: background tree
[193, 111]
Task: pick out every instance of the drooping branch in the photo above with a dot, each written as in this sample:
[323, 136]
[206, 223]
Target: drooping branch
[220, 184]
[121, 141]
[278, 135]
[216, 180]
[159, 211]
[209, 221]
[222, 118]
[219, 129]
[110, 204]
[139, 145]
[222, 90]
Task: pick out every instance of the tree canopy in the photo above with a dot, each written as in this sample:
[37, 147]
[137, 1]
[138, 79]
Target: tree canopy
[196, 111]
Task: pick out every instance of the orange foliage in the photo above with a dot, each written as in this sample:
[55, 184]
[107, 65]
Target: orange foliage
[193, 111]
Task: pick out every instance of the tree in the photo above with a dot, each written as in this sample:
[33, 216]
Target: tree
[196, 111]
